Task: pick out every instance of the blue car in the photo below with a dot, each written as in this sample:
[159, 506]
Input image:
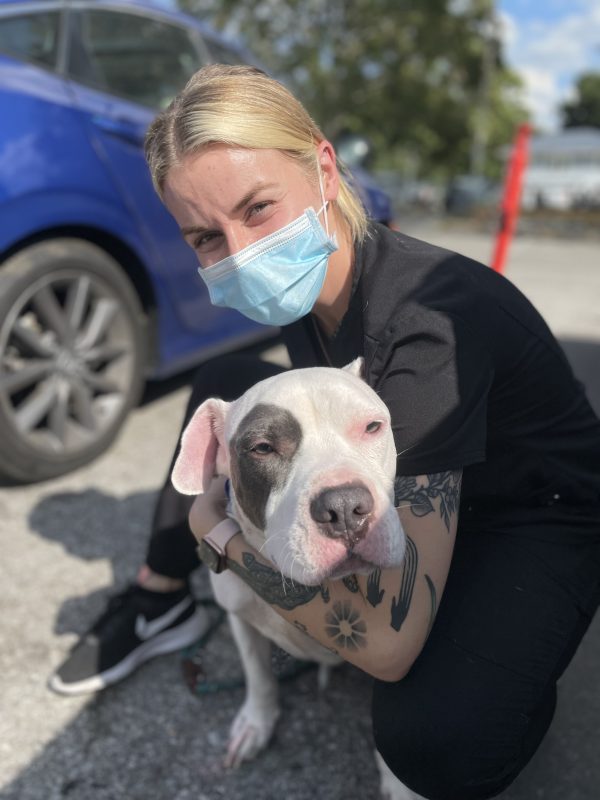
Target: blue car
[98, 291]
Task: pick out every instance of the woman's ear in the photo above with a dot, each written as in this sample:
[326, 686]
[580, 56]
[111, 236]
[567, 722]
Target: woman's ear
[329, 171]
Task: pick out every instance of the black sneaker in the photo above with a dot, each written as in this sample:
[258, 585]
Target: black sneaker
[137, 625]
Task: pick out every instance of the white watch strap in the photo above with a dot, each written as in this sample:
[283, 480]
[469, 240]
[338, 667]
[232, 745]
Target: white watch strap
[223, 532]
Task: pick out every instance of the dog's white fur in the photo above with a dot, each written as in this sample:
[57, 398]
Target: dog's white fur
[334, 407]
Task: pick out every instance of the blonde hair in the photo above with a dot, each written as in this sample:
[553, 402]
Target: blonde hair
[241, 106]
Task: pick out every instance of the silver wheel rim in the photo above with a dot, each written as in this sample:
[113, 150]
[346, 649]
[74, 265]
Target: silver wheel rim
[67, 361]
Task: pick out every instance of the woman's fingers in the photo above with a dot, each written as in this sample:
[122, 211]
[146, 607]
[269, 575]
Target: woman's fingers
[208, 509]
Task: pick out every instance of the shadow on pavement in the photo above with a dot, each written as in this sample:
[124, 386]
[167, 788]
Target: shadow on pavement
[149, 737]
[92, 525]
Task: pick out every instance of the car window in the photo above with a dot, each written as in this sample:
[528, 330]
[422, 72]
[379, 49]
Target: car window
[141, 59]
[221, 54]
[31, 37]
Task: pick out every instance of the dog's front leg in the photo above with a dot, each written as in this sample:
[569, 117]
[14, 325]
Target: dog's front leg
[255, 721]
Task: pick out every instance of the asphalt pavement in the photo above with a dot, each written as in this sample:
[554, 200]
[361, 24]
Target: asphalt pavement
[66, 544]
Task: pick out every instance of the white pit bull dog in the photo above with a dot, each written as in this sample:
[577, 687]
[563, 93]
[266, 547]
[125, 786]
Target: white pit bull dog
[311, 460]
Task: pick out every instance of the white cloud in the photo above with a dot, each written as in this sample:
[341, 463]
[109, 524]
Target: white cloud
[549, 54]
[541, 95]
[509, 30]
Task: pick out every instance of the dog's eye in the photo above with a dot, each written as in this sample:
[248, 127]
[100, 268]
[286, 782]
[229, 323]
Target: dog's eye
[262, 449]
[374, 426]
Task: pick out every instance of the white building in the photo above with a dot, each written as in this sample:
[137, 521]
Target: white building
[563, 170]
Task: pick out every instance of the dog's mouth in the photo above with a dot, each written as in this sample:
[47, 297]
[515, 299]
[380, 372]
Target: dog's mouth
[350, 565]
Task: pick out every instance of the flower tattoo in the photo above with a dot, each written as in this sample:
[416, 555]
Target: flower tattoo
[345, 627]
[441, 486]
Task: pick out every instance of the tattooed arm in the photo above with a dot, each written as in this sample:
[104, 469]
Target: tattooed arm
[379, 622]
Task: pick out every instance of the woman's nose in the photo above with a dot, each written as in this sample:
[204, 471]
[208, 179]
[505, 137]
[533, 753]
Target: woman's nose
[237, 238]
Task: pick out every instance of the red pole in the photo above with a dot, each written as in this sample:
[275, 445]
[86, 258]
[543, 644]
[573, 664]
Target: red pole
[511, 199]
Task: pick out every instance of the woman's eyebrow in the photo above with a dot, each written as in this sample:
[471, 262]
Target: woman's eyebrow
[250, 196]
[247, 198]
[192, 229]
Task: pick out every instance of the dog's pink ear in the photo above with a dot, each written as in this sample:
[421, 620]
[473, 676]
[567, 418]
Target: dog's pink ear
[355, 367]
[203, 453]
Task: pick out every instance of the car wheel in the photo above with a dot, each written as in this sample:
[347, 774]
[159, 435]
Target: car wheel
[71, 357]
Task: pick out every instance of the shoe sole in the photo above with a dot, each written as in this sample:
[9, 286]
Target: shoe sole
[161, 644]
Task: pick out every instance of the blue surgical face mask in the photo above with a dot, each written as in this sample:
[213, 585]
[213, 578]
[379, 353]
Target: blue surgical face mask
[276, 280]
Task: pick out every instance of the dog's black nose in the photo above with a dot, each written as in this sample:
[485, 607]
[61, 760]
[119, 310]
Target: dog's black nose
[343, 512]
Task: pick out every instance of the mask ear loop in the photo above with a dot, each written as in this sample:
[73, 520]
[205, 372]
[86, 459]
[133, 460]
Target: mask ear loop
[325, 202]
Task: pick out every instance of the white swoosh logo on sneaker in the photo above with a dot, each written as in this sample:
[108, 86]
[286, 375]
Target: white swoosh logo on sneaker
[146, 629]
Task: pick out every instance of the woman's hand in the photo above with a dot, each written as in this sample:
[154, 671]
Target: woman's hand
[208, 509]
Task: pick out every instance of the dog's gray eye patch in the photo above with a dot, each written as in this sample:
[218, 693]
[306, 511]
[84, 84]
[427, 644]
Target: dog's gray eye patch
[254, 478]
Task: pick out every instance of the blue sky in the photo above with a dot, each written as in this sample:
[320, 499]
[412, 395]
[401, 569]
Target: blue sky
[549, 43]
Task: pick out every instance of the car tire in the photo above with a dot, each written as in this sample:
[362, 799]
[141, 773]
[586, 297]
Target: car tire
[71, 357]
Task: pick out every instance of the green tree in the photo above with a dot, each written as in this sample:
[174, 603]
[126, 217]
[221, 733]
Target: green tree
[424, 80]
[585, 108]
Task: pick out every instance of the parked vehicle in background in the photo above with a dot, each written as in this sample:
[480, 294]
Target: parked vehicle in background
[468, 194]
[563, 171]
[98, 291]
[356, 152]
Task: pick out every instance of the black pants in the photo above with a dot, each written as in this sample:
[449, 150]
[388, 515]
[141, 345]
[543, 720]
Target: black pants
[479, 699]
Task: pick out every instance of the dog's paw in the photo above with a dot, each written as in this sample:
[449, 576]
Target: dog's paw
[250, 733]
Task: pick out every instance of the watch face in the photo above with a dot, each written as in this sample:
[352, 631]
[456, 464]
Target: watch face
[209, 556]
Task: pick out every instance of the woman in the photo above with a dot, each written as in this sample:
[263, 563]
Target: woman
[486, 415]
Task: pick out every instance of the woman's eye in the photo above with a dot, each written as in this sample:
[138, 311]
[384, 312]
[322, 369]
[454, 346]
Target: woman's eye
[257, 208]
[374, 426]
[205, 241]
[263, 449]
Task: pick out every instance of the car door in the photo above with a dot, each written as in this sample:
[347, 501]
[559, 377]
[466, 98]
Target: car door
[123, 67]
[46, 164]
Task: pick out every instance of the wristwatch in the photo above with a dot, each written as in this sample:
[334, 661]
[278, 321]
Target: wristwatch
[211, 549]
